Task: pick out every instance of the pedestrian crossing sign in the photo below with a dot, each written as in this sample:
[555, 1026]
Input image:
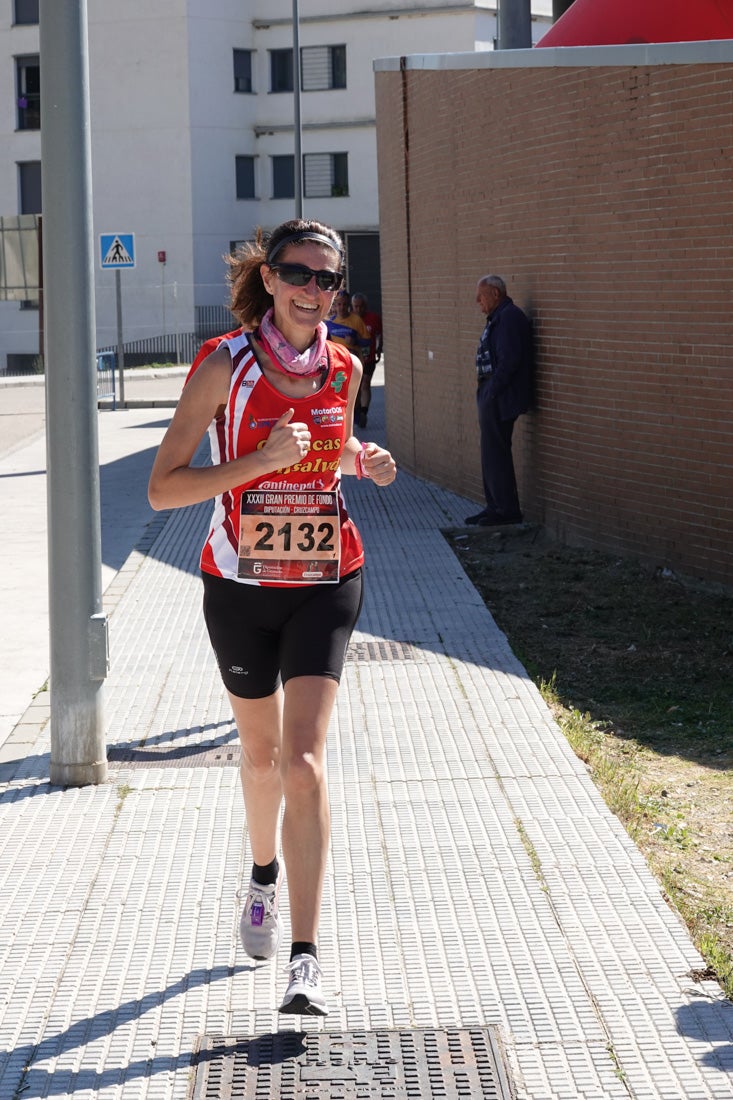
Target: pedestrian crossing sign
[117, 250]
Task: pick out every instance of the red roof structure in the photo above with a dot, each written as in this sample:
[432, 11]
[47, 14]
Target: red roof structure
[616, 22]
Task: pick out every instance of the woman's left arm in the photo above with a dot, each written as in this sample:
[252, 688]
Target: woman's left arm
[373, 461]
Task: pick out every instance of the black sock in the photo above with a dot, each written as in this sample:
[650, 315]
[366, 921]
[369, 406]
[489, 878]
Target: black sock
[301, 947]
[266, 874]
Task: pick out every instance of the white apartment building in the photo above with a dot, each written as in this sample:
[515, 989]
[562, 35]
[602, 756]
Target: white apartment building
[192, 120]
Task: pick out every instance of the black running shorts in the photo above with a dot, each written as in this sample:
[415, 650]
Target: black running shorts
[263, 634]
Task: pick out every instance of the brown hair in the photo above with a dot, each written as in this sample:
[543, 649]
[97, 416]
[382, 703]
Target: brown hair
[249, 301]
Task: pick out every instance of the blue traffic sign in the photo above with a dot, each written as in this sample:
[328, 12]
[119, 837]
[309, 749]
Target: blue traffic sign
[117, 250]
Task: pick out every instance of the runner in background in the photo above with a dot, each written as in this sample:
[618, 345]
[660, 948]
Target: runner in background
[281, 564]
[347, 328]
[373, 323]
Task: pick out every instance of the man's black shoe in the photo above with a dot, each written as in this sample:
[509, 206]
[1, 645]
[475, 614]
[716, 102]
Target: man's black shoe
[496, 520]
[479, 518]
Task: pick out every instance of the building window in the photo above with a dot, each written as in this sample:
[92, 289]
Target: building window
[283, 177]
[325, 175]
[245, 167]
[29, 202]
[29, 187]
[28, 85]
[322, 67]
[242, 70]
[281, 70]
[25, 11]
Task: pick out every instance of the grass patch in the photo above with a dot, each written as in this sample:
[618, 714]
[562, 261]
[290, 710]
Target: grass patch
[637, 667]
[122, 793]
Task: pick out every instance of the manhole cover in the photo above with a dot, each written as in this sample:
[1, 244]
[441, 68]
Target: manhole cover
[355, 1065]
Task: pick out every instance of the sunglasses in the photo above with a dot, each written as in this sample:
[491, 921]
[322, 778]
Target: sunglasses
[299, 275]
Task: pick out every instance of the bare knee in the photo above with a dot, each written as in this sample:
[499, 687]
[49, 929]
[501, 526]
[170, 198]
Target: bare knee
[302, 775]
[260, 732]
[261, 764]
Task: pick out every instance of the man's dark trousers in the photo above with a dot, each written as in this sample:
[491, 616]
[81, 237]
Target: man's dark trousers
[497, 464]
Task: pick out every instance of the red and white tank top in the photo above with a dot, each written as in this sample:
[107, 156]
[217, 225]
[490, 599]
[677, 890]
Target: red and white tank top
[253, 406]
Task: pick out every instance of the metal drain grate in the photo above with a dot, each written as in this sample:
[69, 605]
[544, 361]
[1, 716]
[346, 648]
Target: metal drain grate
[383, 649]
[355, 1065]
[181, 756]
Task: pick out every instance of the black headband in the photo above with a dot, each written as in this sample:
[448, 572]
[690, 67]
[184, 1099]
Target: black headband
[303, 235]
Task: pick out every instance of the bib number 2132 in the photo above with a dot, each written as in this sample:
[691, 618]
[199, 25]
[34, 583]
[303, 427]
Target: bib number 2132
[289, 536]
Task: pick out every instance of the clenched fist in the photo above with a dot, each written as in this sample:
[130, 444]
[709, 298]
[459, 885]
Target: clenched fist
[288, 442]
[378, 464]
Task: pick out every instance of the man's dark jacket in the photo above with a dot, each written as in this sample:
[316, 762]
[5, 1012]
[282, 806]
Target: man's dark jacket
[508, 335]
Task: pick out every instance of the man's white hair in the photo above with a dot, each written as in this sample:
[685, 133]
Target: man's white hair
[495, 281]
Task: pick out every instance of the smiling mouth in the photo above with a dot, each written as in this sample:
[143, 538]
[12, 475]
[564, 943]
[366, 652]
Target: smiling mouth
[306, 305]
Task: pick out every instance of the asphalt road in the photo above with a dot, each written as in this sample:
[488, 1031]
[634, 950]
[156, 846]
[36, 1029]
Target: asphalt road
[23, 402]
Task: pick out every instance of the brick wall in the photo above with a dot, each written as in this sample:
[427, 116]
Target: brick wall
[604, 197]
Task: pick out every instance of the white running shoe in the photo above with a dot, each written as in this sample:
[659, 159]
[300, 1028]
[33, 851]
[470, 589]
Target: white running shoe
[304, 996]
[260, 925]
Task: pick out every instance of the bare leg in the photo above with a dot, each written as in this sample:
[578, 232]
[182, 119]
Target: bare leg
[306, 825]
[259, 722]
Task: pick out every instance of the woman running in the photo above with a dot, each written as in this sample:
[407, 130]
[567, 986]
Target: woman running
[281, 564]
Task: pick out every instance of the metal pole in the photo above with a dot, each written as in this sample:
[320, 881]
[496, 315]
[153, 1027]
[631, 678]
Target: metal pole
[175, 314]
[120, 344]
[162, 297]
[298, 156]
[515, 25]
[78, 626]
[559, 7]
[40, 285]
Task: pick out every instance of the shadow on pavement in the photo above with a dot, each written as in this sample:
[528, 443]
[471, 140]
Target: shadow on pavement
[38, 1081]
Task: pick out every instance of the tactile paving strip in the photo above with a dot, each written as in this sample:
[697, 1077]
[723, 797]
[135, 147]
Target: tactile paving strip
[357, 1065]
[383, 649]
[475, 877]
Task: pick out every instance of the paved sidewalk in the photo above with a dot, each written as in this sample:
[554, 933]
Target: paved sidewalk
[476, 879]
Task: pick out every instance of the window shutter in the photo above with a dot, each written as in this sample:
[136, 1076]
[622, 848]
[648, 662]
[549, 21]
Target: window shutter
[318, 174]
[315, 68]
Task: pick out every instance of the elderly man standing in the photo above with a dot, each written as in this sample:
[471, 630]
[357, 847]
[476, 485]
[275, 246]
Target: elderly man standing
[504, 368]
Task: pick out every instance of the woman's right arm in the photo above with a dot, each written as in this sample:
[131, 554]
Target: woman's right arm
[174, 482]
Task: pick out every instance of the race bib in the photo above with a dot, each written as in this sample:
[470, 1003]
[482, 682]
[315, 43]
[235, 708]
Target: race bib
[289, 536]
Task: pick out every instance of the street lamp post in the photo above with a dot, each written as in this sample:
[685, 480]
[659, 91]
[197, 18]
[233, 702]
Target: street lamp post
[78, 626]
[559, 7]
[298, 155]
[515, 25]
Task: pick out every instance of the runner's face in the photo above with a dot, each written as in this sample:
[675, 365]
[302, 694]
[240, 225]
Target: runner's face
[343, 304]
[298, 310]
